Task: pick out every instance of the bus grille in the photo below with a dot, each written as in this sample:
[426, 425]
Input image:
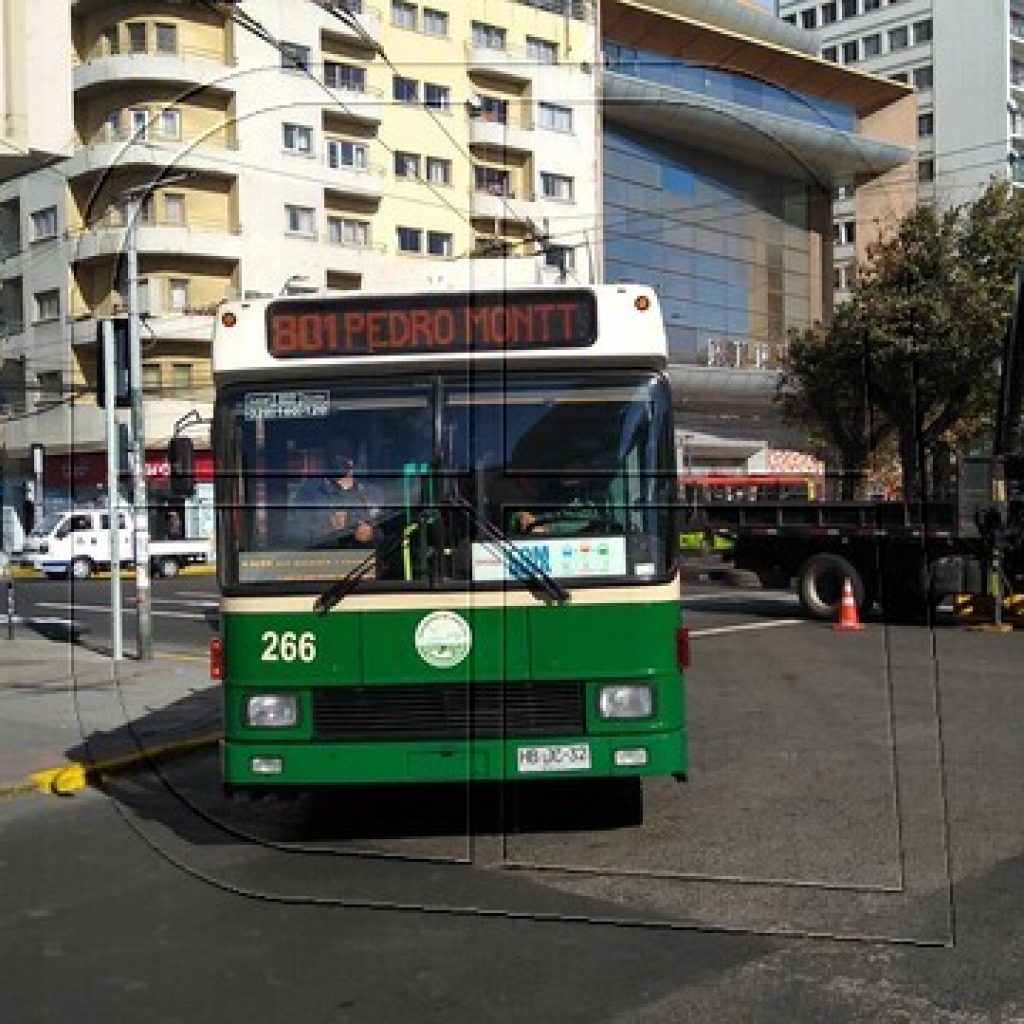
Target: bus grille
[449, 711]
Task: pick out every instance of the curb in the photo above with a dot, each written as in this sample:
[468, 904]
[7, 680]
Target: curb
[76, 775]
[20, 572]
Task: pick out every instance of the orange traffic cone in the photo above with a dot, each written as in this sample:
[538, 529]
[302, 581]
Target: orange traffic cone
[849, 622]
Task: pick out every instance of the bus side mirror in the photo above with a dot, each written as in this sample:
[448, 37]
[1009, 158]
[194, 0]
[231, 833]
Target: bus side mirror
[181, 459]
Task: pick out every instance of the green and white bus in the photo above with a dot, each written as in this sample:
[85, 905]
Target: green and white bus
[512, 610]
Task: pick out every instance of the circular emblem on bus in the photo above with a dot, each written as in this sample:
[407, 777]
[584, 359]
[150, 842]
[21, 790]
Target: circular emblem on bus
[443, 639]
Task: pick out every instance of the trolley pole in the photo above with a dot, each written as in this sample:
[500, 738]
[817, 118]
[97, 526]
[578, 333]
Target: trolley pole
[113, 493]
[140, 503]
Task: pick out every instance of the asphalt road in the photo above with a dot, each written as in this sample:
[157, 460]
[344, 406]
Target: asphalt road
[841, 852]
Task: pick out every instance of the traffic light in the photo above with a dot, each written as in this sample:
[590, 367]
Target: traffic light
[122, 364]
[181, 458]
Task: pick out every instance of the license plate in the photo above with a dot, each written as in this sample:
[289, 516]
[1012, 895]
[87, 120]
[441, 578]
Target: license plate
[569, 757]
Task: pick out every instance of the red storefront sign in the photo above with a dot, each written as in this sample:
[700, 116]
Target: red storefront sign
[78, 468]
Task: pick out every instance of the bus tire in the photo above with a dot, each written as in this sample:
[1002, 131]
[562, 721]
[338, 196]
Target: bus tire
[820, 585]
[81, 568]
[168, 567]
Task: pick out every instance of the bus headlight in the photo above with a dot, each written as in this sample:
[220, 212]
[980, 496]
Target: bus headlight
[272, 710]
[626, 700]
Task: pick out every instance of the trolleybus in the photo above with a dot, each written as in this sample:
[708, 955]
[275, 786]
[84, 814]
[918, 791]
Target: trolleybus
[446, 549]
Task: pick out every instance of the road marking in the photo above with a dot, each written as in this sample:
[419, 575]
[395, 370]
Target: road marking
[194, 604]
[717, 630]
[39, 620]
[129, 608]
[194, 595]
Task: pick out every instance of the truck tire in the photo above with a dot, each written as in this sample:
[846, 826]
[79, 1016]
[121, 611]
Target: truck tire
[167, 567]
[820, 585]
[81, 568]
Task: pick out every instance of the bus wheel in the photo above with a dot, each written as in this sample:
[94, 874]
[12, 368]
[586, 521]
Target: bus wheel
[820, 585]
[81, 568]
[168, 567]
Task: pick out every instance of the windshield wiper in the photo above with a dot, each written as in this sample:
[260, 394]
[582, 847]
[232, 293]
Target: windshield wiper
[521, 564]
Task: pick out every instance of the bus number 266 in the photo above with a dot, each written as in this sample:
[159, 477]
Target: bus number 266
[288, 646]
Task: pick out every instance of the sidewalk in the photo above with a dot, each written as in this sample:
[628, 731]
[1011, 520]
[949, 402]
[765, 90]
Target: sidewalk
[66, 711]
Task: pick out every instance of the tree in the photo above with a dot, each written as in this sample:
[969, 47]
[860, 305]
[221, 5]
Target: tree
[926, 321]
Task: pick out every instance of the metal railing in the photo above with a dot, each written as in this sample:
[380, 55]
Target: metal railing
[101, 50]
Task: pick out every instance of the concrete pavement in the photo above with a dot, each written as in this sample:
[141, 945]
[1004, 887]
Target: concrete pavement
[68, 713]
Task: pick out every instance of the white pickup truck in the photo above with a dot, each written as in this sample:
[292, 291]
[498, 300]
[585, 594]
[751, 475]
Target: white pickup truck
[78, 542]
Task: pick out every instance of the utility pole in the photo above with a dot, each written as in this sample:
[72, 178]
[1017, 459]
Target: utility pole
[113, 493]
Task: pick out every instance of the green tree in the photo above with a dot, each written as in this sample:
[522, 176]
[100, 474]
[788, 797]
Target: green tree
[926, 321]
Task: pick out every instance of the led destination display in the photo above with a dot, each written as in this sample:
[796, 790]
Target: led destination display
[401, 325]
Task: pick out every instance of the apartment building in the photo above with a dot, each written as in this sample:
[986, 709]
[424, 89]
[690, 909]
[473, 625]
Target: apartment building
[374, 144]
[964, 58]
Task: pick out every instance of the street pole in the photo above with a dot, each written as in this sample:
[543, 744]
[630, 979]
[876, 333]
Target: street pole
[113, 493]
[140, 503]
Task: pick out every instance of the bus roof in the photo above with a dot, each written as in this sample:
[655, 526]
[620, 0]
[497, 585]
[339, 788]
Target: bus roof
[361, 331]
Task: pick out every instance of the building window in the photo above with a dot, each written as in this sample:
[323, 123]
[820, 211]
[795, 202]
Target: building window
[342, 153]
[437, 97]
[492, 180]
[899, 76]
[44, 223]
[167, 38]
[174, 208]
[851, 52]
[170, 123]
[809, 18]
[345, 231]
[872, 45]
[926, 170]
[140, 123]
[181, 377]
[439, 172]
[843, 192]
[407, 165]
[435, 23]
[151, 381]
[51, 385]
[112, 40]
[488, 37]
[494, 109]
[347, 77]
[47, 305]
[177, 293]
[850, 8]
[871, 5]
[298, 138]
[439, 243]
[554, 118]
[136, 36]
[828, 13]
[300, 220]
[830, 53]
[294, 57]
[409, 239]
[560, 258]
[406, 90]
[403, 15]
[898, 38]
[923, 31]
[556, 186]
[923, 77]
[112, 126]
[542, 51]
[925, 126]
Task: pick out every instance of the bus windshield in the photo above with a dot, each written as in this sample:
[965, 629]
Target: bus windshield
[573, 474]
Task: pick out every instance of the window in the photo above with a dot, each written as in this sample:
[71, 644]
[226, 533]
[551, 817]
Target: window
[167, 38]
[898, 38]
[294, 57]
[407, 165]
[923, 77]
[44, 223]
[492, 180]
[556, 186]
[346, 231]
[177, 293]
[300, 220]
[872, 45]
[182, 376]
[174, 208]
[140, 123]
[851, 52]
[112, 39]
[435, 23]
[850, 8]
[409, 239]
[809, 19]
[494, 109]
[170, 123]
[347, 77]
[439, 172]
[899, 76]
[51, 385]
[922, 31]
[437, 97]
[439, 243]
[843, 192]
[828, 13]
[403, 15]
[112, 126]
[926, 170]
[554, 118]
[342, 153]
[871, 5]
[849, 232]
[560, 257]
[542, 51]
[406, 90]
[151, 377]
[925, 126]
[298, 138]
[47, 305]
[488, 37]
[136, 36]
[829, 53]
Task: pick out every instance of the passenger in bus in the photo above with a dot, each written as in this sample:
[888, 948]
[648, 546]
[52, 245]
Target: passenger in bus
[337, 505]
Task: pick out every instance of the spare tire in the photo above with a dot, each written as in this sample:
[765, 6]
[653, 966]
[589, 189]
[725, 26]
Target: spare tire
[820, 585]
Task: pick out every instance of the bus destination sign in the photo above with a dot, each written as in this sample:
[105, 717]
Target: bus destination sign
[400, 325]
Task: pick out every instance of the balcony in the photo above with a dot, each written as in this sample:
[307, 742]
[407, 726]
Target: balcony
[366, 107]
[347, 258]
[510, 133]
[105, 150]
[497, 204]
[369, 19]
[107, 239]
[365, 182]
[185, 67]
[510, 63]
[189, 324]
